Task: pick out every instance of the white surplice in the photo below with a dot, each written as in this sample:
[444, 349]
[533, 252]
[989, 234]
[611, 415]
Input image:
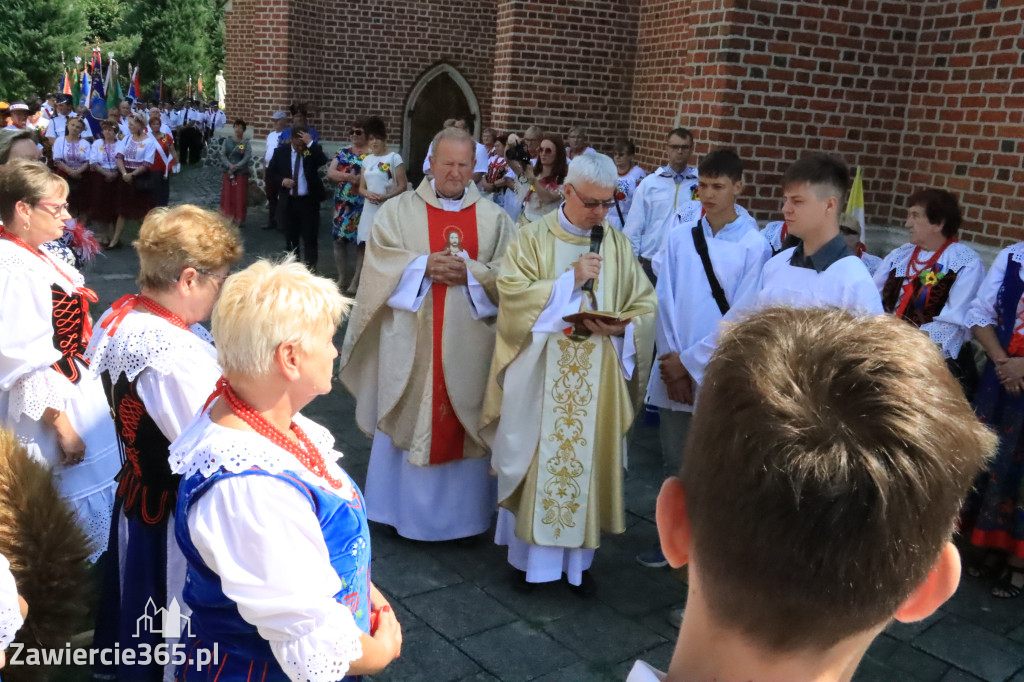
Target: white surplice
[845, 283]
[10, 609]
[687, 311]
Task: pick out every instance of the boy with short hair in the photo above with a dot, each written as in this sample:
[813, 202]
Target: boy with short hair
[820, 271]
[816, 503]
[693, 298]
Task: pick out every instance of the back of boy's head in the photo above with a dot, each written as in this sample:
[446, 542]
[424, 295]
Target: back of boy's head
[721, 163]
[823, 473]
[829, 176]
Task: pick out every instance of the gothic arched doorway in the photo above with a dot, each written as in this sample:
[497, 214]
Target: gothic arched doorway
[440, 93]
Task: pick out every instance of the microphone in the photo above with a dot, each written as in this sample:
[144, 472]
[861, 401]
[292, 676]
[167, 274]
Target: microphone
[596, 236]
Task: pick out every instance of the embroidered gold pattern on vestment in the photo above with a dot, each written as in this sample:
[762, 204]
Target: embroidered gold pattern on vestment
[573, 394]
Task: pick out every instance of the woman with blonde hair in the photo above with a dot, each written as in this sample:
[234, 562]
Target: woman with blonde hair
[158, 367]
[47, 395]
[273, 530]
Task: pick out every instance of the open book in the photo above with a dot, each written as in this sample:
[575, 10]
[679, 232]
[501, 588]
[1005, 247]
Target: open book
[600, 315]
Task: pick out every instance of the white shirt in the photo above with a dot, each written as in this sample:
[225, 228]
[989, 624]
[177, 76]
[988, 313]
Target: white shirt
[642, 672]
[73, 155]
[59, 124]
[103, 154]
[982, 312]
[845, 283]
[137, 153]
[948, 329]
[655, 201]
[624, 192]
[272, 138]
[301, 186]
[687, 311]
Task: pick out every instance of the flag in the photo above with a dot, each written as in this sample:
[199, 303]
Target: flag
[199, 85]
[65, 85]
[113, 88]
[133, 86]
[85, 89]
[97, 100]
[158, 91]
[855, 204]
[97, 60]
[76, 88]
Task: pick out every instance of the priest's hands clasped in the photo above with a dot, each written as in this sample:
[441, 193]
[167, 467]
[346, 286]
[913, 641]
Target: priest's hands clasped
[444, 268]
[678, 381]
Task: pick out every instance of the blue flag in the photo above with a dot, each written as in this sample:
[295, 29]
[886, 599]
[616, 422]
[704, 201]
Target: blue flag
[97, 100]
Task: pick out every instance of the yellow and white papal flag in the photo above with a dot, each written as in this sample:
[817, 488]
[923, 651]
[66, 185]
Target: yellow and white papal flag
[855, 204]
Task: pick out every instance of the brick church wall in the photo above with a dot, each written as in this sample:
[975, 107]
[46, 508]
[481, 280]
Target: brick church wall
[917, 92]
[965, 124]
[565, 62]
[347, 60]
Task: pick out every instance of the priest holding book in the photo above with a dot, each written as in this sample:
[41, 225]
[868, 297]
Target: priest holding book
[562, 392]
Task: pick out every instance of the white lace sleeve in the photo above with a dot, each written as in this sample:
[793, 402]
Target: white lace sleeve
[982, 312]
[36, 391]
[949, 330]
[274, 564]
[10, 611]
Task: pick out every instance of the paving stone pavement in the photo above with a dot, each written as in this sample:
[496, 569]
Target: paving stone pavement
[462, 620]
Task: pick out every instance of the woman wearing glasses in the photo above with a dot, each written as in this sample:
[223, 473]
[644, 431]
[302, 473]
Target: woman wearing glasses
[47, 395]
[345, 170]
[546, 180]
[158, 367]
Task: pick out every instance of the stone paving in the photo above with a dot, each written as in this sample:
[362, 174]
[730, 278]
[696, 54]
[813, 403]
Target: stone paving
[462, 619]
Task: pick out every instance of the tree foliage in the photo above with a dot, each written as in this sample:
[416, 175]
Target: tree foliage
[170, 38]
[34, 34]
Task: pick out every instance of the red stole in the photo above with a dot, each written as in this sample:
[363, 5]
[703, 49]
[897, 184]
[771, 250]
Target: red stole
[447, 435]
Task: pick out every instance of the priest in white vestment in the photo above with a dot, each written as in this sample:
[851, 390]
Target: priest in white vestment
[561, 399]
[419, 345]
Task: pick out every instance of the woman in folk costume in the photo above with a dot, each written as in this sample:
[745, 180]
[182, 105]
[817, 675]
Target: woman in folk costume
[158, 367]
[47, 395]
[136, 154]
[273, 530]
[931, 281]
[996, 516]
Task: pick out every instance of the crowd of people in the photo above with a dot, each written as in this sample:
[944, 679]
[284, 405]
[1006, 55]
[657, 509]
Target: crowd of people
[823, 421]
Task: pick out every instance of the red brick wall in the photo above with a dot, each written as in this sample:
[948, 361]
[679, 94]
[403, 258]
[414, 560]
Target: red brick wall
[564, 62]
[917, 92]
[777, 80]
[347, 60]
[664, 40]
[965, 124]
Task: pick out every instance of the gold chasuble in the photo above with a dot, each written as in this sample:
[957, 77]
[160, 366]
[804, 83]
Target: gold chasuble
[419, 377]
[558, 408]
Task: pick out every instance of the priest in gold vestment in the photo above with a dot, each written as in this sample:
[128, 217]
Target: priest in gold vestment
[561, 398]
[419, 345]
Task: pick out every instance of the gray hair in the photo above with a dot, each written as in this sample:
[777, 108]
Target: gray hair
[454, 135]
[593, 168]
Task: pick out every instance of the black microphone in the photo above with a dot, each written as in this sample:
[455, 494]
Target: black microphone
[596, 236]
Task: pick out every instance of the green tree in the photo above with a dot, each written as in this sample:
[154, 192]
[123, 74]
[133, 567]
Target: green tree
[34, 34]
[176, 40]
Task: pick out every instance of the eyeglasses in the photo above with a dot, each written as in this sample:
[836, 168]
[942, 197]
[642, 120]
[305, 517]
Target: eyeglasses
[591, 203]
[355, 131]
[680, 147]
[54, 209]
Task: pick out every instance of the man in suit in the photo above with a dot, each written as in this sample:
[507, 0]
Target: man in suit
[297, 164]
